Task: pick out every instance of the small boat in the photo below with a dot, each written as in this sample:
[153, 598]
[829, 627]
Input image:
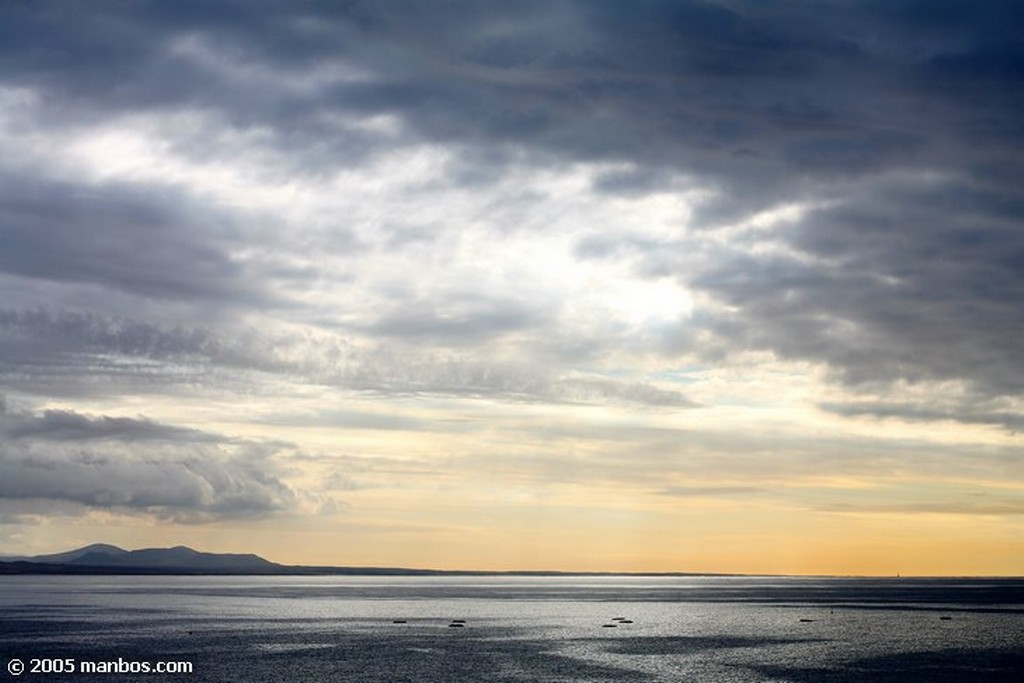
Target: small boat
[608, 625]
[807, 621]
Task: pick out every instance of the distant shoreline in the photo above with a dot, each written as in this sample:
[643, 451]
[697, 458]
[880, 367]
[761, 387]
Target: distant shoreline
[20, 567]
[101, 559]
[26, 567]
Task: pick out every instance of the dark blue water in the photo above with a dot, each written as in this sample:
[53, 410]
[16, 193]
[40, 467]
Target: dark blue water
[519, 629]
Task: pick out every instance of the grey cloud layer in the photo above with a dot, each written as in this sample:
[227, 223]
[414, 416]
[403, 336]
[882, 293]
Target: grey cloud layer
[67, 353]
[904, 115]
[144, 241]
[135, 465]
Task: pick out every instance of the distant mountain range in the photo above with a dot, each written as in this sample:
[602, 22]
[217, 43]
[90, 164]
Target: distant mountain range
[104, 558]
[101, 558]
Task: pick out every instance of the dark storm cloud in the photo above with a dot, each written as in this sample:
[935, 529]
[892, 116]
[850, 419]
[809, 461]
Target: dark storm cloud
[651, 81]
[905, 115]
[67, 425]
[967, 412]
[695, 85]
[901, 282]
[141, 240]
[184, 488]
[135, 465]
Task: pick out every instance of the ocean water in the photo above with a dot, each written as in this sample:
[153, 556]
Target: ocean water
[395, 629]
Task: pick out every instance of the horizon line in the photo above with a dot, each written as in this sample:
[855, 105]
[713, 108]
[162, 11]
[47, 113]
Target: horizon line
[369, 570]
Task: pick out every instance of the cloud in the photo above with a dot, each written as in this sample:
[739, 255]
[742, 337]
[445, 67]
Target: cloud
[79, 347]
[144, 242]
[465, 322]
[67, 425]
[136, 466]
[634, 393]
[709, 491]
[910, 279]
[66, 353]
[763, 105]
[194, 488]
[1006, 507]
[967, 413]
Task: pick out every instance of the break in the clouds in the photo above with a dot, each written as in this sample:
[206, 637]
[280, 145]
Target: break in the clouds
[707, 217]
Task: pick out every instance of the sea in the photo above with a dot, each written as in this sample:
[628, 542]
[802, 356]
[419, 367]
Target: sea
[451, 629]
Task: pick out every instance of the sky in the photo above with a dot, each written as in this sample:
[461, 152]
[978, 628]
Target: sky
[613, 285]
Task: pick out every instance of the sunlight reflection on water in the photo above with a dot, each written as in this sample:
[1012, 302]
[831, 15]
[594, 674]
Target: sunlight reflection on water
[525, 628]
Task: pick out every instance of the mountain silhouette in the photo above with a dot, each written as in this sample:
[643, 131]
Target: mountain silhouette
[102, 558]
[178, 558]
[99, 550]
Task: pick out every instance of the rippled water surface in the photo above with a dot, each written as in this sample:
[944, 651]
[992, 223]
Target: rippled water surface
[522, 628]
